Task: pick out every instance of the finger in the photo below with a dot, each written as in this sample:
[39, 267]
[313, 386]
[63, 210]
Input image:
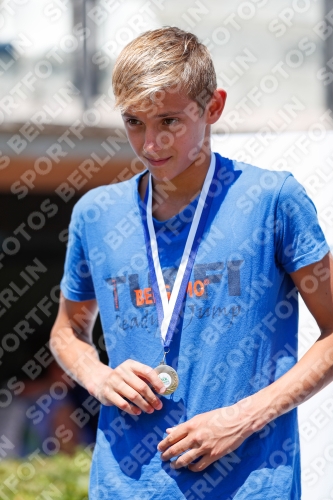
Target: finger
[149, 374]
[201, 464]
[128, 391]
[175, 435]
[130, 372]
[185, 459]
[176, 449]
[124, 405]
[147, 397]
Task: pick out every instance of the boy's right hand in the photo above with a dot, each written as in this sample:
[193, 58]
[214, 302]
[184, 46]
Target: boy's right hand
[130, 380]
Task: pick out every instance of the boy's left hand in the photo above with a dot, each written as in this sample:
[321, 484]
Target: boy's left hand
[210, 435]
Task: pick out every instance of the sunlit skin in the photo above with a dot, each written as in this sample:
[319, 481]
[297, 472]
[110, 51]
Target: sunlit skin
[173, 141]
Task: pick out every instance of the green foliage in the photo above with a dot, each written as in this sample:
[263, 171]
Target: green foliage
[62, 477]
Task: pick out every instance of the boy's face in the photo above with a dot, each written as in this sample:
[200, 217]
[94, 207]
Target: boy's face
[169, 135]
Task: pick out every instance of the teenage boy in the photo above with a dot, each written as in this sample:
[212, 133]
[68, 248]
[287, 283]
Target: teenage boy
[193, 266]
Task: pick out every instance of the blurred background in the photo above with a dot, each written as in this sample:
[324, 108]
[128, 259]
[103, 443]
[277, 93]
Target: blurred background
[60, 136]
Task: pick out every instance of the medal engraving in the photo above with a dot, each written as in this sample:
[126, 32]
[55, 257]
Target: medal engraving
[168, 376]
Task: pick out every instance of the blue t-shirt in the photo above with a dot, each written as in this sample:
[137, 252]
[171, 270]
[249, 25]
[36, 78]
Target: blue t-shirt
[236, 335]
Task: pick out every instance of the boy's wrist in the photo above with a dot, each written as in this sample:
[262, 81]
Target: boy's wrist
[96, 379]
[256, 411]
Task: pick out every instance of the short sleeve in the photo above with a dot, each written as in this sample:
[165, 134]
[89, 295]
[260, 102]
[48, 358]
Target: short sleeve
[299, 238]
[76, 283]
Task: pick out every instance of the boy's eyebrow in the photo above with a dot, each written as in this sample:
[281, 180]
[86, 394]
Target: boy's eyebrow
[170, 113]
[162, 115]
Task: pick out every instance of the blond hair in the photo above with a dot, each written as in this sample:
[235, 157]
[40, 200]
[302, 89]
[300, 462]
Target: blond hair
[165, 59]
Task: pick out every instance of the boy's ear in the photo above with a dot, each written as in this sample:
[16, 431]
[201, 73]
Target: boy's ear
[216, 105]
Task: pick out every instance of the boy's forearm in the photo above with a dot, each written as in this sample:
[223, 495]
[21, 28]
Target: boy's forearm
[313, 372]
[78, 358]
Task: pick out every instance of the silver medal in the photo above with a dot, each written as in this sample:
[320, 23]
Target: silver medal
[168, 375]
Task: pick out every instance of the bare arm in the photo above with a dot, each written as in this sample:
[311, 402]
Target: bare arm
[315, 370]
[72, 346]
[71, 340]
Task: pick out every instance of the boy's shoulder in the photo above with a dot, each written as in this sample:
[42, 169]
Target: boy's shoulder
[106, 196]
[247, 174]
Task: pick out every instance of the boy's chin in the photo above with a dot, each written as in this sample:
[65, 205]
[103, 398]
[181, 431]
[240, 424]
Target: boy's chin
[160, 176]
[165, 173]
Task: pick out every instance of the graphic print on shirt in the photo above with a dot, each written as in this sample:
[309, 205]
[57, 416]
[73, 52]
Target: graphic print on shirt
[204, 275]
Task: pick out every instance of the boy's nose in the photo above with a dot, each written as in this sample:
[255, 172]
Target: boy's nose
[152, 146]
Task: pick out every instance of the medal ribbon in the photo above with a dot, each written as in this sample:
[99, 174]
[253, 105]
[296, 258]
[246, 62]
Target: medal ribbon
[168, 310]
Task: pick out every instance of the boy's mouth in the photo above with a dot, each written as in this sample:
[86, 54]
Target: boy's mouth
[158, 162]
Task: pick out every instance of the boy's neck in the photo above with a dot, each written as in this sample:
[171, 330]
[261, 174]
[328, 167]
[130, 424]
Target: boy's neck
[188, 185]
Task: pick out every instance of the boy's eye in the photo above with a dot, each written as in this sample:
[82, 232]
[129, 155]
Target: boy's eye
[170, 121]
[132, 121]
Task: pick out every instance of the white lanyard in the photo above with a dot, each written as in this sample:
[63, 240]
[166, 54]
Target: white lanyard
[169, 305]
